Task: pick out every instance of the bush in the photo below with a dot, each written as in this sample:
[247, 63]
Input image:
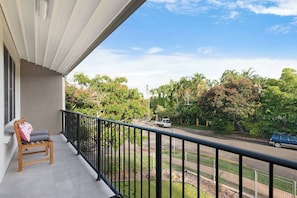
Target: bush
[223, 126]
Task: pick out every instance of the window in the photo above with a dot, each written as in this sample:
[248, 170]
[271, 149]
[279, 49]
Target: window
[9, 87]
[285, 138]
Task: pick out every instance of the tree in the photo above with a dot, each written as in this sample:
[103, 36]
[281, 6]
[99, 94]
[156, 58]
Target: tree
[232, 101]
[241, 101]
[278, 105]
[105, 97]
[179, 99]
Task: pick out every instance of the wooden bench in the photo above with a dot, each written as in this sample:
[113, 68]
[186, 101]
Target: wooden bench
[33, 147]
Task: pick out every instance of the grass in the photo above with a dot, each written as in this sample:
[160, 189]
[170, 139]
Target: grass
[205, 160]
[233, 168]
[149, 189]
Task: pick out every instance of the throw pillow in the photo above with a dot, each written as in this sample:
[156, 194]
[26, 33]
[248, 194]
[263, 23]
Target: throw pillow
[8, 128]
[25, 130]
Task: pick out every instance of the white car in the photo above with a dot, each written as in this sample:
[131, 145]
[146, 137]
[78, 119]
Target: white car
[165, 122]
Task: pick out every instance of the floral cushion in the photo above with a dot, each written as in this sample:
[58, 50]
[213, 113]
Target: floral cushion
[25, 130]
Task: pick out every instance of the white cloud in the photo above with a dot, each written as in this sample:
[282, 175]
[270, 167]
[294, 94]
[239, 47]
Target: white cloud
[137, 49]
[216, 2]
[188, 7]
[205, 50]
[233, 14]
[154, 50]
[284, 28]
[163, 1]
[275, 7]
[294, 22]
[155, 70]
[281, 29]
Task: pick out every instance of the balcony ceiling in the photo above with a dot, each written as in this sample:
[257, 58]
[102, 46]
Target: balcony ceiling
[59, 34]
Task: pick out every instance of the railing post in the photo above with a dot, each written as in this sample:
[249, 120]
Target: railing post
[217, 173]
[198, 170]
[183, 168]
[63, 121]
[214, 171]
[256, 183]
[294, 189]
[240, 176]
[67, 126]
[158, 165]
[98, 148]
[271, 180]
[78, 133]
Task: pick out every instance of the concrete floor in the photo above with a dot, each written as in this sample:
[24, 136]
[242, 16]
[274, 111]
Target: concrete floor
[69, 176]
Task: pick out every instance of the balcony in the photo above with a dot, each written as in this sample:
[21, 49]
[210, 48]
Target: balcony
[135, 161]
[69, 176]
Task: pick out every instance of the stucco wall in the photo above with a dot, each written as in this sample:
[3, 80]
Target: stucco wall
[7, 148]
[41, 97]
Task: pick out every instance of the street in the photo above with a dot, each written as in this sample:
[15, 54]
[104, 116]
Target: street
[255, 146]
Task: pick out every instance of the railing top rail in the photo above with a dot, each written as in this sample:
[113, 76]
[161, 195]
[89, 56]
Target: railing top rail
[228, 148]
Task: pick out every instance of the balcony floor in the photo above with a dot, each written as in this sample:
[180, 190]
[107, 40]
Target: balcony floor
[69, 176]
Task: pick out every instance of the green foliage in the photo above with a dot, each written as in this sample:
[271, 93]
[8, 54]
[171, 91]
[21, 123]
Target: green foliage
[178, 100]
[105, 97]
[188, 113]
[278, 104]
[254, 128]
[223, 126]
[240, 101]
[235, 99]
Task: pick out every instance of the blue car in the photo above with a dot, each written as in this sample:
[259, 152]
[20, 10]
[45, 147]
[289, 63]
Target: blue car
[283, 140]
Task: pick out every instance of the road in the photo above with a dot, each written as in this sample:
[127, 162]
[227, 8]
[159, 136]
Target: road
[252, 145]
[256, 146]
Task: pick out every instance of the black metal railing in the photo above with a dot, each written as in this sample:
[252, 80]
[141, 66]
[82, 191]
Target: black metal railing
[136, 161]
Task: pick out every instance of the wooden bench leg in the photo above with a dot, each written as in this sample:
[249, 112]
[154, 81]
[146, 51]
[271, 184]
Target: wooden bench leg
[51, 147]
[46, 149]
[20, 160]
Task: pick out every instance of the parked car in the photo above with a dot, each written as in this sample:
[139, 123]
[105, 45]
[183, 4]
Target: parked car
[165, 122]
[283, 140]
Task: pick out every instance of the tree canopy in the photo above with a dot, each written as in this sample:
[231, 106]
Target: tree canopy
[244, 102]
[239, 101]
[105, 97]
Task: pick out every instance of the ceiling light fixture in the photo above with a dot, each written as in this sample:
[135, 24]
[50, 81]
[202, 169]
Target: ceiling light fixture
[43, 9]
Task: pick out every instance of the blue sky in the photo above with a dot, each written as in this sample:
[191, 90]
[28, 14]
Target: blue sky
[170, 39]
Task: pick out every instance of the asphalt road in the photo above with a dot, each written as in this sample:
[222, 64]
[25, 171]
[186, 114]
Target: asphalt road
[248, 144]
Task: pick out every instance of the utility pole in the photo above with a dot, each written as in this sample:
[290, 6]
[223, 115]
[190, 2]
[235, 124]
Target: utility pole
[148, 102]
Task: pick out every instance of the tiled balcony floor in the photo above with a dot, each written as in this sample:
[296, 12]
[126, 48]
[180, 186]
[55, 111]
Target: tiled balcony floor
[69, 176]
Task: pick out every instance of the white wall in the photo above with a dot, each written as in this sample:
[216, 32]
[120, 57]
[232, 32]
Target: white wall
[41, 97]
[7, 149]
